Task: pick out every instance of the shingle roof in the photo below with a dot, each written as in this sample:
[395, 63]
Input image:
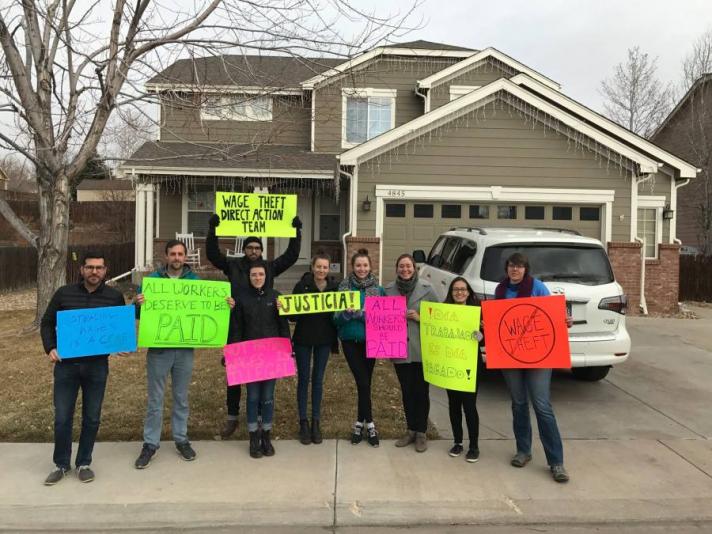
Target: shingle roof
[220, 156]
[428, 45]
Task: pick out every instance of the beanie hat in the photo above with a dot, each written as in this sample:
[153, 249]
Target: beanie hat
[252, 239]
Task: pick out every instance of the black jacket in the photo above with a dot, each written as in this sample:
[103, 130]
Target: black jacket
[75, 297]
[314, 328]
[256, 316]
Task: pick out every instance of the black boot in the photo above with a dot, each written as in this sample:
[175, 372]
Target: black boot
[315, 431]
[267, 448]
[304, 437]
[256, 444]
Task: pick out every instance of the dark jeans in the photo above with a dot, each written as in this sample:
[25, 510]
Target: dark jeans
[260, 399]
[69, 377]
[362, 369]
[232, 400]
[416, 395]
[463, 401]
[534, 384]
[303, 356]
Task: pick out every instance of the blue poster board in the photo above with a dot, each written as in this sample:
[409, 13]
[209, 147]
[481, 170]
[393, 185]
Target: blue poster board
[94, 331]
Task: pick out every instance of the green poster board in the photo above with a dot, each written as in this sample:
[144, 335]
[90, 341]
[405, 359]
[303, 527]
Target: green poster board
[247, 214]
[448, 346]
[328, 301]
[183, 313]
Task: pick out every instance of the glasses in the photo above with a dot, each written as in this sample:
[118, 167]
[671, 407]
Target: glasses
[510, 266]
[93, 267]
[256, 249]
[460, 290]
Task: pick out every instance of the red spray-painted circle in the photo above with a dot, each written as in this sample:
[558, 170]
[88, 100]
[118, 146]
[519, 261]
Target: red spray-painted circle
[526, 333]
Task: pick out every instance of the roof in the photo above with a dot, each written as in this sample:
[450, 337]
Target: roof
[206, 158]
[698, 83]
[105, 185]
[428, 45]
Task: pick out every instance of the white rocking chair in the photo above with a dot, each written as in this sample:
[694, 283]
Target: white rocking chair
[236, 252]
[192, 256]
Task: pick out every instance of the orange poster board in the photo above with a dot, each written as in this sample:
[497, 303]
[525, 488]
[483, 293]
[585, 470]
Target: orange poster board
[527, 333]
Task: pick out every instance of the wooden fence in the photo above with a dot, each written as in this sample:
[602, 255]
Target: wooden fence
[119, 257]
[696, 278]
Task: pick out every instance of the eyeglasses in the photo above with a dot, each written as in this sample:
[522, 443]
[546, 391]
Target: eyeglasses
[460, 290]
[256, 249]
[94, 267]
[510, 266]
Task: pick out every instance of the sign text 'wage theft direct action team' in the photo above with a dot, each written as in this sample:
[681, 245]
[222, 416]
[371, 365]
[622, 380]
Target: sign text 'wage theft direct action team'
[255, 214]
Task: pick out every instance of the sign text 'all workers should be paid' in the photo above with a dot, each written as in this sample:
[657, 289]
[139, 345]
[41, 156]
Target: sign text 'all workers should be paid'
[255, 214]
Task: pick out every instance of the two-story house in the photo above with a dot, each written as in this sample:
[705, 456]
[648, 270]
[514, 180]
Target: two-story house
[390, 148]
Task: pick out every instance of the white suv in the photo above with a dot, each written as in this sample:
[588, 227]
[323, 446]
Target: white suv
[565, 261]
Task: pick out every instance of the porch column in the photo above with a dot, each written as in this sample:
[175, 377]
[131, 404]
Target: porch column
[263, 191]
[143, 255]
[148, 236]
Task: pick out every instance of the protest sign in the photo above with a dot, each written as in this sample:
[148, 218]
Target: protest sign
[527, 333]
[259, 359]
[96, 331]
[183, 313]
[255, 214]
[386, 327]
[448, 345]
[328, 301]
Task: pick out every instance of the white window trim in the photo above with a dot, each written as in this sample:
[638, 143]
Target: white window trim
[657, 203]
[184, 206]
[366, 92]
[456, 91]
[206, 115]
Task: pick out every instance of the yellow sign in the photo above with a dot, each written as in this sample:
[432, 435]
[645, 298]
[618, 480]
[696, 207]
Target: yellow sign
[449, 346]
[248, 214]
[329, 301]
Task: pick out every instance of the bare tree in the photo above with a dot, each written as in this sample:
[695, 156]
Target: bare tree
[698, 61]
[634, 96]
[68, 65]
[19, 175]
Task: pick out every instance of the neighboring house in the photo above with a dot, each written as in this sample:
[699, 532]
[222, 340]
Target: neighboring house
[390, 148]
[105, 191]
[687, 132]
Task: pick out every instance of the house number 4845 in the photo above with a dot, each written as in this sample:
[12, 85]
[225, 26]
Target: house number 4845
[397, 193]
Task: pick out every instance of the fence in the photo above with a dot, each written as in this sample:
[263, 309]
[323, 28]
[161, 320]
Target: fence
[18, 267]
[119, 258]
[696, 278]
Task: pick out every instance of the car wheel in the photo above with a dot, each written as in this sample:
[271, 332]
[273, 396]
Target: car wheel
[590, 374]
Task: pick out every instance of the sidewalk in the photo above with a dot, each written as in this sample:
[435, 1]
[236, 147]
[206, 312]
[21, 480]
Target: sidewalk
[337, 484]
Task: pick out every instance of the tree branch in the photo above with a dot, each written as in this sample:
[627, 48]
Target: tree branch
[18, 224]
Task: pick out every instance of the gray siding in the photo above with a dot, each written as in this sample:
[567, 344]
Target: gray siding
[170, 214]
[480, 75]
[385, 73]
[290, 125]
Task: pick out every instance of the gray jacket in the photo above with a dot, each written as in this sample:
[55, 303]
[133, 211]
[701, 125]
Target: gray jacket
[423, 292]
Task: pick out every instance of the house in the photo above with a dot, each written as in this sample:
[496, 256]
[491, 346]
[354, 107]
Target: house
[393, 146]
[105, 191]
[687, 132]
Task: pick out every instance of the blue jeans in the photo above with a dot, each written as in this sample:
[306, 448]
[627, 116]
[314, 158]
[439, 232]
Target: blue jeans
[260, 397]
[303, 356]
[159, 363]
[534, 384]
[69, 377]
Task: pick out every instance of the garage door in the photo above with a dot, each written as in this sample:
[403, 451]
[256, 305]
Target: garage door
[409, 225]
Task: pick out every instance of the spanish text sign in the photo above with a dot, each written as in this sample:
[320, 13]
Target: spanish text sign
[259, 359]
[96, 331]
[449, 345]
[247, 214]
[527, 333]
[386, 327]
[328, 301]
[184, 313]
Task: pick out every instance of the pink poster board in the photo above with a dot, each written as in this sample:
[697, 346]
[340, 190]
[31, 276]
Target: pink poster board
[259, 359]
[386, 327]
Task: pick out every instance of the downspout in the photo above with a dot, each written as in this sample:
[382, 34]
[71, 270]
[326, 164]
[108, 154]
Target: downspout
[643, 303]
[426, 100]
[348, 231]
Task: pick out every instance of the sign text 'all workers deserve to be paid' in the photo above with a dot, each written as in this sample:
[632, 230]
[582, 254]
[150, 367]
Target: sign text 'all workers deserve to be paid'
[255, 214]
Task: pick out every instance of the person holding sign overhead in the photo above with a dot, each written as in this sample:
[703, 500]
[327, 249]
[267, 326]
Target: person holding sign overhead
[414, 389]
[534, 384]
[70, 375]
[352, 333]
[256, 317]
[237, 272]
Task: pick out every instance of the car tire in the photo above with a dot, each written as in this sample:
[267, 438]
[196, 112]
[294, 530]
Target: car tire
[590, 374]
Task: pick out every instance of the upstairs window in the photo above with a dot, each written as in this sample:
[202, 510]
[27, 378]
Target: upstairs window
[236, 108]
[366, 113]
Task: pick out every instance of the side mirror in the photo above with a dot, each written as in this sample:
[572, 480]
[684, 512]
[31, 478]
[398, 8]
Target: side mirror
[419, 256]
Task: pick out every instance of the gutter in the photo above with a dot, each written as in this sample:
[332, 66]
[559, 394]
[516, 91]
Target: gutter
[424, 96]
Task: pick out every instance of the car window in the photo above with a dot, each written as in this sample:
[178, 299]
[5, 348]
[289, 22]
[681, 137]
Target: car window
[463, 256]
[582, 264]
[434, 258]
[449, 252]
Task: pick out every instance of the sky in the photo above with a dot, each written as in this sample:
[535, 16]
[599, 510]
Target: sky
[576, 42]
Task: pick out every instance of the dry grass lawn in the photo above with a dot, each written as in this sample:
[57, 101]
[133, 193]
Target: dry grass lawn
[26, 395]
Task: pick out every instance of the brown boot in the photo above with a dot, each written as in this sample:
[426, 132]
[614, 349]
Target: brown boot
[228, 428]
[421, 442]
[407, 439]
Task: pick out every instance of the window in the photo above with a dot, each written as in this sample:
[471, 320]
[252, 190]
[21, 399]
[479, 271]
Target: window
[506, 212]
[201, 205]
[395, 210]
[436, 251]
[452, 244]
[237, 108]
[647, 230]
[479, 212]
[423, 211]
[450, 211]
[456, 91]
[534, 212]
[366, 114]
[463, 257]
[590, 214]
[562, 213]
[329, 219]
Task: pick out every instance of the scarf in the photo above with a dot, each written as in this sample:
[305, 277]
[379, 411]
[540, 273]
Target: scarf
[362, 283]
[406, 287]
[524, 288]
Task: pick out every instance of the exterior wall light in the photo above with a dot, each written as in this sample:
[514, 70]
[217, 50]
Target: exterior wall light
[366, 205]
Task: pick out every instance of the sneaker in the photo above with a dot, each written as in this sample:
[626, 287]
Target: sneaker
[559, 473]
[421, 442]
[406, 439]
[144, 458]
[228, 428]
[55, 476]
[520, 459]
[456, 450]
[85, 474]
[357, 433]
[372, 436]
[186, 451]
[472, 455]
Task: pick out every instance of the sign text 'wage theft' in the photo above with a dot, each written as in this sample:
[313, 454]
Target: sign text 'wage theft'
[247, 214]
[184, 313]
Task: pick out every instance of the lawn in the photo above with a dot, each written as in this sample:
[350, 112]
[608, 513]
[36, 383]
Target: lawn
[26, 395]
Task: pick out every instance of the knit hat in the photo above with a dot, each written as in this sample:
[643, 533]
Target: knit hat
[252, 239]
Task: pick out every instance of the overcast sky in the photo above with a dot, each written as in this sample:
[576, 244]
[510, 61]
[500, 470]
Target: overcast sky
[575, 42]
